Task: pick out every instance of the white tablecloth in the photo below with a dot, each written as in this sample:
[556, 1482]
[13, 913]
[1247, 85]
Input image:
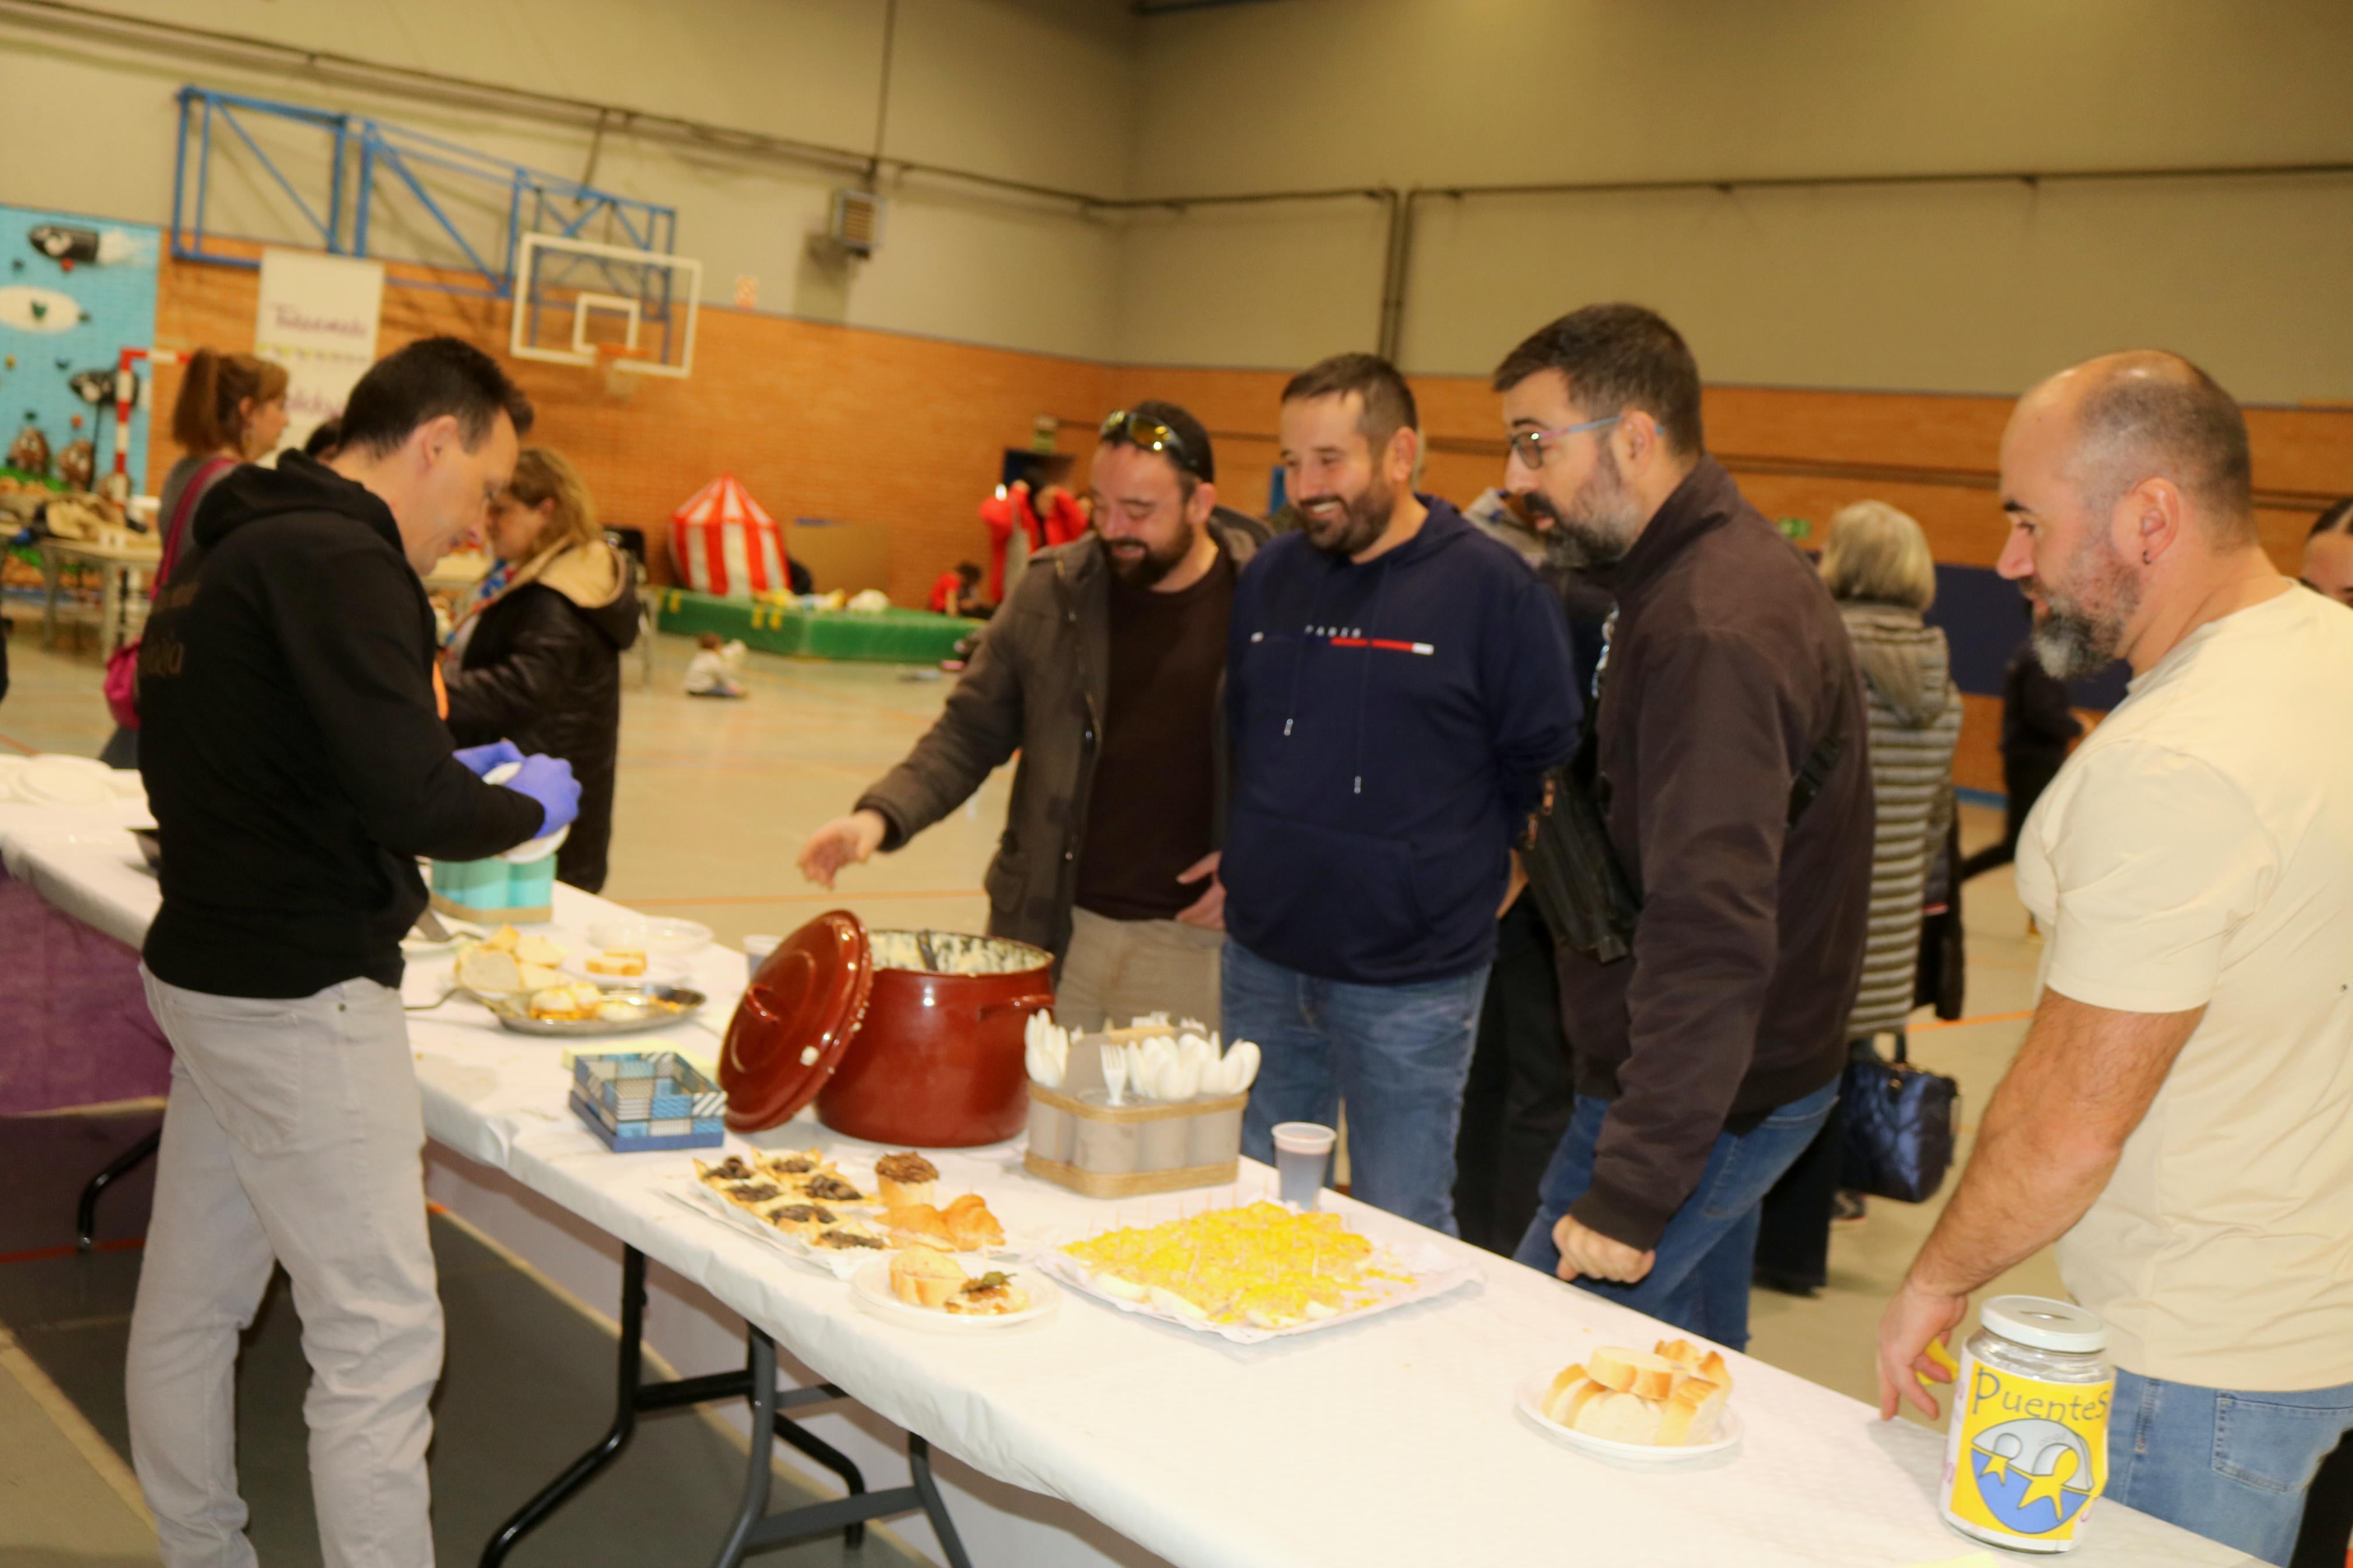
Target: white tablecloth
[1392, 1441]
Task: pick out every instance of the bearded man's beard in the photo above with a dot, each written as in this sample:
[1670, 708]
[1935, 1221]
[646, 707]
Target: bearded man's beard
[1354, 523]
[2080, 628]
[1597, 525]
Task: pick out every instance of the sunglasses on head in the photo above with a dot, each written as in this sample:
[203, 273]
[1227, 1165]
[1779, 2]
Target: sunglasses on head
[1142, 430]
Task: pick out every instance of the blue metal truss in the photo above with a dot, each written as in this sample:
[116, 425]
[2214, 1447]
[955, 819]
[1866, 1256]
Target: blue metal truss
[364, 159]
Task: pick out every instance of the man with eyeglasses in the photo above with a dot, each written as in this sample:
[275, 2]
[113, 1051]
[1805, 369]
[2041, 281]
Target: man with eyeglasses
[1730, 754]
[1398, 684]
[1106, 671]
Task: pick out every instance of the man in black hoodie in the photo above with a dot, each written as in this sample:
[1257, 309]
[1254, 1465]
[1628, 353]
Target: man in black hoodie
[1397, 684]
[297, 762]
[1731, 756]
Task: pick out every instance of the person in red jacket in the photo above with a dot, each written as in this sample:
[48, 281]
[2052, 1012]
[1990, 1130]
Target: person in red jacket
[956, 592]
[1046, 517]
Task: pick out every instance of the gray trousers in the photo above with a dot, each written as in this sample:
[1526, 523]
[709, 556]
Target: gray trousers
[292, 1135]
[1117, 970]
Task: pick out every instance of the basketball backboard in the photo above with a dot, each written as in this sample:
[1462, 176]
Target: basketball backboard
[573, 297]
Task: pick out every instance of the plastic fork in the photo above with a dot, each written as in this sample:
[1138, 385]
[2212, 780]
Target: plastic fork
[1114, 1068]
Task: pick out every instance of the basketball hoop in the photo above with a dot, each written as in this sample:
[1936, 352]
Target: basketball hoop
[619, 362]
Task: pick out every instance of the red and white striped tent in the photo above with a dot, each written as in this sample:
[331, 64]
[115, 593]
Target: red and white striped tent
[723, 542]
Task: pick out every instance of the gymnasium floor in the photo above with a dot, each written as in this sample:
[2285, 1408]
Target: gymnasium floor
[715, 799]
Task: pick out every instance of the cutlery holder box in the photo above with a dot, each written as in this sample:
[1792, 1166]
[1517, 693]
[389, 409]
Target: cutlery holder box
[1124, 1150]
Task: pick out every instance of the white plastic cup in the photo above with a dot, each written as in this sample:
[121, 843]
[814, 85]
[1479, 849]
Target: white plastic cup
[1303, 1150]
[756, 954]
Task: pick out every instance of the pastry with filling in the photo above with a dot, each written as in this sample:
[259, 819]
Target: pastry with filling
[850, 1236]
[905, 1180]
[827, 1186]
[991, 1295]
[971, 1224]
[919, 1225]
[797, 1166]
[804, 1219]
[738, 1182]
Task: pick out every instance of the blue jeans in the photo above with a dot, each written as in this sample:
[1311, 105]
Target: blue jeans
[1700, 1282]
[1397, 1054]
[2232, 1467]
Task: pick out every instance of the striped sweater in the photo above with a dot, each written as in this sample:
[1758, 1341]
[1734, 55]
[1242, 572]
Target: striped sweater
[1916, 717]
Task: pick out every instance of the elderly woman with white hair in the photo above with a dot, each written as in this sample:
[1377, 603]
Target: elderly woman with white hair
[1877, 567]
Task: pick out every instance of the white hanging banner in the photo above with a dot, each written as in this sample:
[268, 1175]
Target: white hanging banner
[318, 318]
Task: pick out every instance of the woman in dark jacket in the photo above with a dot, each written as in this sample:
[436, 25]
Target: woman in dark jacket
[537, 658]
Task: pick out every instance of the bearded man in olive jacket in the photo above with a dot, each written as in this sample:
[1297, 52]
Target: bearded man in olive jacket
[1106, 671]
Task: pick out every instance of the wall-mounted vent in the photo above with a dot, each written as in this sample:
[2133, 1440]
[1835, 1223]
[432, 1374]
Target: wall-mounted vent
[857, 223]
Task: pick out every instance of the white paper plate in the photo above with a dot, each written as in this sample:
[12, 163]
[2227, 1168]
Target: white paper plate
[871, 1287]
[1529, 1397]
[660, 971]
[649, 934]
[531, 849]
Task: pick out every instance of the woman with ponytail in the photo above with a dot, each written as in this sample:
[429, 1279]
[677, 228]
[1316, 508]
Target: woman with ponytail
[537, 658]
[231, 409]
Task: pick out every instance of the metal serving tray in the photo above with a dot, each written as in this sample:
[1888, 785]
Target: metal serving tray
[662, 1005]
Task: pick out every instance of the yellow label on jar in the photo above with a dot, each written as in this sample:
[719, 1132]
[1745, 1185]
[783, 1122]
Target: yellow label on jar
[2027, 1456]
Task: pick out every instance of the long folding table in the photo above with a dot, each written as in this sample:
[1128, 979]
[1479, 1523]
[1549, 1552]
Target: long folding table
[1392, 1440]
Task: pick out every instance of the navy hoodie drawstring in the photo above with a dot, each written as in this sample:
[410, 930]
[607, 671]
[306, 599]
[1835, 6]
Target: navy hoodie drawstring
[1299, 662]
[1365, 670]
[1365, 674]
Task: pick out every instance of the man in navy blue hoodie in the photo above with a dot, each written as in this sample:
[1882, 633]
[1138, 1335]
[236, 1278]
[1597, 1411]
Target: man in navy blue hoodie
[1397, 684]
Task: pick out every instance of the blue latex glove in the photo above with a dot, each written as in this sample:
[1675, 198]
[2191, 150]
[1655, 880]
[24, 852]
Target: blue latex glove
[549, 781]
[479, 760]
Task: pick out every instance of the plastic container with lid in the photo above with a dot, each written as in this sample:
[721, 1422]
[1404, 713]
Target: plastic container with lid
[2029, 1445]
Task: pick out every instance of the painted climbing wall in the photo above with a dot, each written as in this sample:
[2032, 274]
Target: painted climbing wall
[74, 293]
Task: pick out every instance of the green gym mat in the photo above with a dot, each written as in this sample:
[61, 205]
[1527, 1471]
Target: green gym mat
[891, 637]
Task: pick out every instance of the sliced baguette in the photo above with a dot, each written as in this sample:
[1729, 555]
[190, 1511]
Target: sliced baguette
[923, 1278]
[1620, 1418]
[1696, 1361]
[1573, 1405]
[1639, 1373]
[1570, 1393]
[1690, 1414]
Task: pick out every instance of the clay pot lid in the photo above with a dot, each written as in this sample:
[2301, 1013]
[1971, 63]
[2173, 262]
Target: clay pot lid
[795, 1021]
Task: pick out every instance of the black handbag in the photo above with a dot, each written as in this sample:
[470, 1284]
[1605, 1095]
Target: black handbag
[1901, 1121]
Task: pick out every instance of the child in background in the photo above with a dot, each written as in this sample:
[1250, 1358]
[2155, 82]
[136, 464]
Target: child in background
[710, 672]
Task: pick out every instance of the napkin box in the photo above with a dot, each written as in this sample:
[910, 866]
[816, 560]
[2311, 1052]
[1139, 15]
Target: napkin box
[655, 1100]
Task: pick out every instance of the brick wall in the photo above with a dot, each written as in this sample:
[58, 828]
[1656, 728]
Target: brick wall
[818, 421]
[909, 433]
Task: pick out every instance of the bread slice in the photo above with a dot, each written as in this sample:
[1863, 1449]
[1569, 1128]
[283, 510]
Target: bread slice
[921, 1276]
[487, 971]
[503, 940]
[1620, 1418]
[1691, 1413]
[1695, 1361]
[543, 950]
[1639, 1373]
[1570, 1393]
